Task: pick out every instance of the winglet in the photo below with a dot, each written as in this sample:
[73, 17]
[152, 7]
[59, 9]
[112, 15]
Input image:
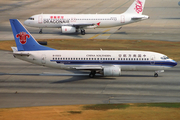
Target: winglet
[24, 40]
[136, 7]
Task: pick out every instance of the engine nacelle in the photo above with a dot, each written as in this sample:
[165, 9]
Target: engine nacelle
[112, 71]
[68, 29]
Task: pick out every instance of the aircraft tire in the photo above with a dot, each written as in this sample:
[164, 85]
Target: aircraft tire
[40, 32]
[83, 32]
[92, 74]
[155, 75]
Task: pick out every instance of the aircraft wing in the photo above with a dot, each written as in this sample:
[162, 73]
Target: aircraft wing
[79, 24]
[88, 68]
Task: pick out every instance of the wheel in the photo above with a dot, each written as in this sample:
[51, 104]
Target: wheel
[155, 75]
[40, 32]
[92, 74]
[82, 32]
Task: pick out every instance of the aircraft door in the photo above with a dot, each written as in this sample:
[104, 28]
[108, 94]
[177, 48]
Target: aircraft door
[122, 19]
[43, 59]
[40, 19]
[152, 60]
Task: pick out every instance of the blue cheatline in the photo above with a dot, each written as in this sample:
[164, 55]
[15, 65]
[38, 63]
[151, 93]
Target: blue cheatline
[24, 40]
[96, 62]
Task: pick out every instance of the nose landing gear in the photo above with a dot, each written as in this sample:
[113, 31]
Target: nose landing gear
[156, 73]
[40, 32]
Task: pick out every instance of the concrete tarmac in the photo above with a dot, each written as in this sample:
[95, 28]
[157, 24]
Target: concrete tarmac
[25, 85]
[164, 22]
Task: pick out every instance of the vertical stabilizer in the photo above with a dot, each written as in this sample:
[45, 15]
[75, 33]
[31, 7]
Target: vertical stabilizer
[136, 8]
[24, 40]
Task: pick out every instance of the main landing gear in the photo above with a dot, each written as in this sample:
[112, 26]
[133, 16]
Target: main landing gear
[92, 74]
[83, 32]
[40, 32]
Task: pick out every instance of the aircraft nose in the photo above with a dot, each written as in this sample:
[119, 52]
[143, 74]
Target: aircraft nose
[174, 63]
[26, 22]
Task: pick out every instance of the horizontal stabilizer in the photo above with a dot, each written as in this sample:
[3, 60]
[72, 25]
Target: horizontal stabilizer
[21, 53]
[142, 17]
[14, 49]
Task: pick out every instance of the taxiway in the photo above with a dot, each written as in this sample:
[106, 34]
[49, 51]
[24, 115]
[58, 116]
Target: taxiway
[164, 22]
[24, 84]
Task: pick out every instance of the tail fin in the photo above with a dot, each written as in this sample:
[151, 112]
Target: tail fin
[137, 7]
[24, 40]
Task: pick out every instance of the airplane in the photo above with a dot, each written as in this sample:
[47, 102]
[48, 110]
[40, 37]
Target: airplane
[72, 23]
[104, 62]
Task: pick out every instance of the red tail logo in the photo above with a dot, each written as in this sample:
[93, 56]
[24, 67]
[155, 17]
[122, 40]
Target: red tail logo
[22, 37]
[138, 7]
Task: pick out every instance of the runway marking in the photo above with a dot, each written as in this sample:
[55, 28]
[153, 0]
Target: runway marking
[106, 35]
[94, 36]
[106, 30]
[103, 34]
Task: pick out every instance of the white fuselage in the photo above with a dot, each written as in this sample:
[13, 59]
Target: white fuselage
[80, 20]
[74, 59]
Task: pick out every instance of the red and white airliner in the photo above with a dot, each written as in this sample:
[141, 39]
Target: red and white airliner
[72, 23]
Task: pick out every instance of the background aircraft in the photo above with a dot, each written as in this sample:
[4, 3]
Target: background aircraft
[107, 63]
[72, 23]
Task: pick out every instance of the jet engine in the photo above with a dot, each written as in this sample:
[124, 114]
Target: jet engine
[68, 29]
[112, 71]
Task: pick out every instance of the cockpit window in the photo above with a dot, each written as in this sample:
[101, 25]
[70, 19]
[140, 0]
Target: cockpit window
[30, 18]
[164, 58]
